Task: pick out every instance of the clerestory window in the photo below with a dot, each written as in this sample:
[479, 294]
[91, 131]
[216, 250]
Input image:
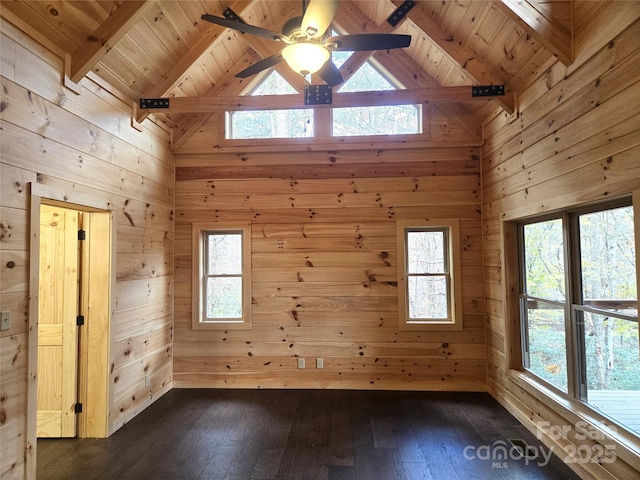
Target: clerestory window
[293, 123]
[344, 121]
[377, 119]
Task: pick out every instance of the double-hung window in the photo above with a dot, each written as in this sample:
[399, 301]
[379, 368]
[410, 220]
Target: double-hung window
[579, 304]
[428, 272]
[221, 280]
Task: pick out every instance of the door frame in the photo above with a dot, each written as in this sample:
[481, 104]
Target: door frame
[97, 343]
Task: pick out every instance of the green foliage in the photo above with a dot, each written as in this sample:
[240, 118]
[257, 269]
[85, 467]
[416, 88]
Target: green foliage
[548, 346]
[607, 274]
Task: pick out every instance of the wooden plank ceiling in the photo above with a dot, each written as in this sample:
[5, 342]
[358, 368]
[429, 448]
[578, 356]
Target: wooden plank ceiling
[151, 49]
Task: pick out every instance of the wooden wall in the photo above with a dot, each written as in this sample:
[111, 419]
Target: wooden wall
[324, 268]
[82, 150]
[576, 140]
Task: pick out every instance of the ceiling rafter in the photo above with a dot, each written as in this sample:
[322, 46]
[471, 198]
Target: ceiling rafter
[228, 85]
[265, 48]
[352, 20]
[552, 27]
[260, 49]
[174, 75]
[469, 62]
[87, 56]
[404, 68]
[399, 63]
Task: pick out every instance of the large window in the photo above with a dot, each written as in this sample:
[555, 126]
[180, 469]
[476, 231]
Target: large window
[579, 305]
[378, 119]
[428, 270]
[221, 281]
[292, 123]
[344, 121]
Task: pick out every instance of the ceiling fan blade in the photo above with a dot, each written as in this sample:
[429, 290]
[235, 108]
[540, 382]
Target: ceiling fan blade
[257, 67]
[367, 41]
[245, 28]
[330, 74]
[318, 17]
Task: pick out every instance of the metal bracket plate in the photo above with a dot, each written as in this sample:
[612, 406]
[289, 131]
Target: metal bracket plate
[317, 95]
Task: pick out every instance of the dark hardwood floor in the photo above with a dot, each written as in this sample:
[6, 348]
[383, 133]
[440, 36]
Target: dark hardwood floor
[308, 435]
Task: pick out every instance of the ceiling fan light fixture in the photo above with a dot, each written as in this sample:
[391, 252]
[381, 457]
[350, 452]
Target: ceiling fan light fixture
[305, 57]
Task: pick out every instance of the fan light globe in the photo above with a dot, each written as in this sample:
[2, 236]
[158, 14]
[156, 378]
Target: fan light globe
[305, 58]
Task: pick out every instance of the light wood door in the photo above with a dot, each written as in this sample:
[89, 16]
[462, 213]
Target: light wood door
[57, 330]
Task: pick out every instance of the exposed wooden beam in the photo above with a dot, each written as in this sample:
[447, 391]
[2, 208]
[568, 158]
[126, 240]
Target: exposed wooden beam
[475, 67]
[352, 20]
[399, 64]
[105, 37]
[167, 82]
[228, 85]
[410, 74]
[553, 26]
[264, 48]
[436, 95]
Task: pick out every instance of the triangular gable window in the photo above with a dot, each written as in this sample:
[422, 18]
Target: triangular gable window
[345, 122]
[273, 84]
[374, 120]
[366, 79]
[296, 123]
[339, 57]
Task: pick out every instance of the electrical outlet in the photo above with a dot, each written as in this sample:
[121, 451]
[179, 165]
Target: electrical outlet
[301, 363]
[147, 380]
[5, 323]
[319, 363]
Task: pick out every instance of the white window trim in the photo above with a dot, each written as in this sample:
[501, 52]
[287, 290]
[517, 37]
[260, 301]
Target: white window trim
[454, 322]
[197, 232]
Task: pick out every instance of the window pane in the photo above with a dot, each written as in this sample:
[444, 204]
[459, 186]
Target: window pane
[272, 124]
[339, 57]
[428, 297]
[613, 369]
[273, 84]
[296, 123]
[608, 259]
[366, 79]
[380, 120]
[224, 254]
[544, 260]
[224, 297]
[547, 345]
[425, 252]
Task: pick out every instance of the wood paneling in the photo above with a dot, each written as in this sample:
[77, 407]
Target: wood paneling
[324, 281]
[80, 149]
[575, 141]
[323, 214]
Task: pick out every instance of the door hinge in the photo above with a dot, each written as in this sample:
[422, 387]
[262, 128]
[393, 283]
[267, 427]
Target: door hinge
[80, 320]
[82, 234]
[78, 408]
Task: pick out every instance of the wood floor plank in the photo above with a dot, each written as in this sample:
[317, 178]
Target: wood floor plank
[192, 434]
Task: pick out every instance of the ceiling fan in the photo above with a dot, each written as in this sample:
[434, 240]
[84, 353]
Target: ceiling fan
[308, 47]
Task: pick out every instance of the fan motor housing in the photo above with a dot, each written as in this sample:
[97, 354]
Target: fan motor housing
[292, 27]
